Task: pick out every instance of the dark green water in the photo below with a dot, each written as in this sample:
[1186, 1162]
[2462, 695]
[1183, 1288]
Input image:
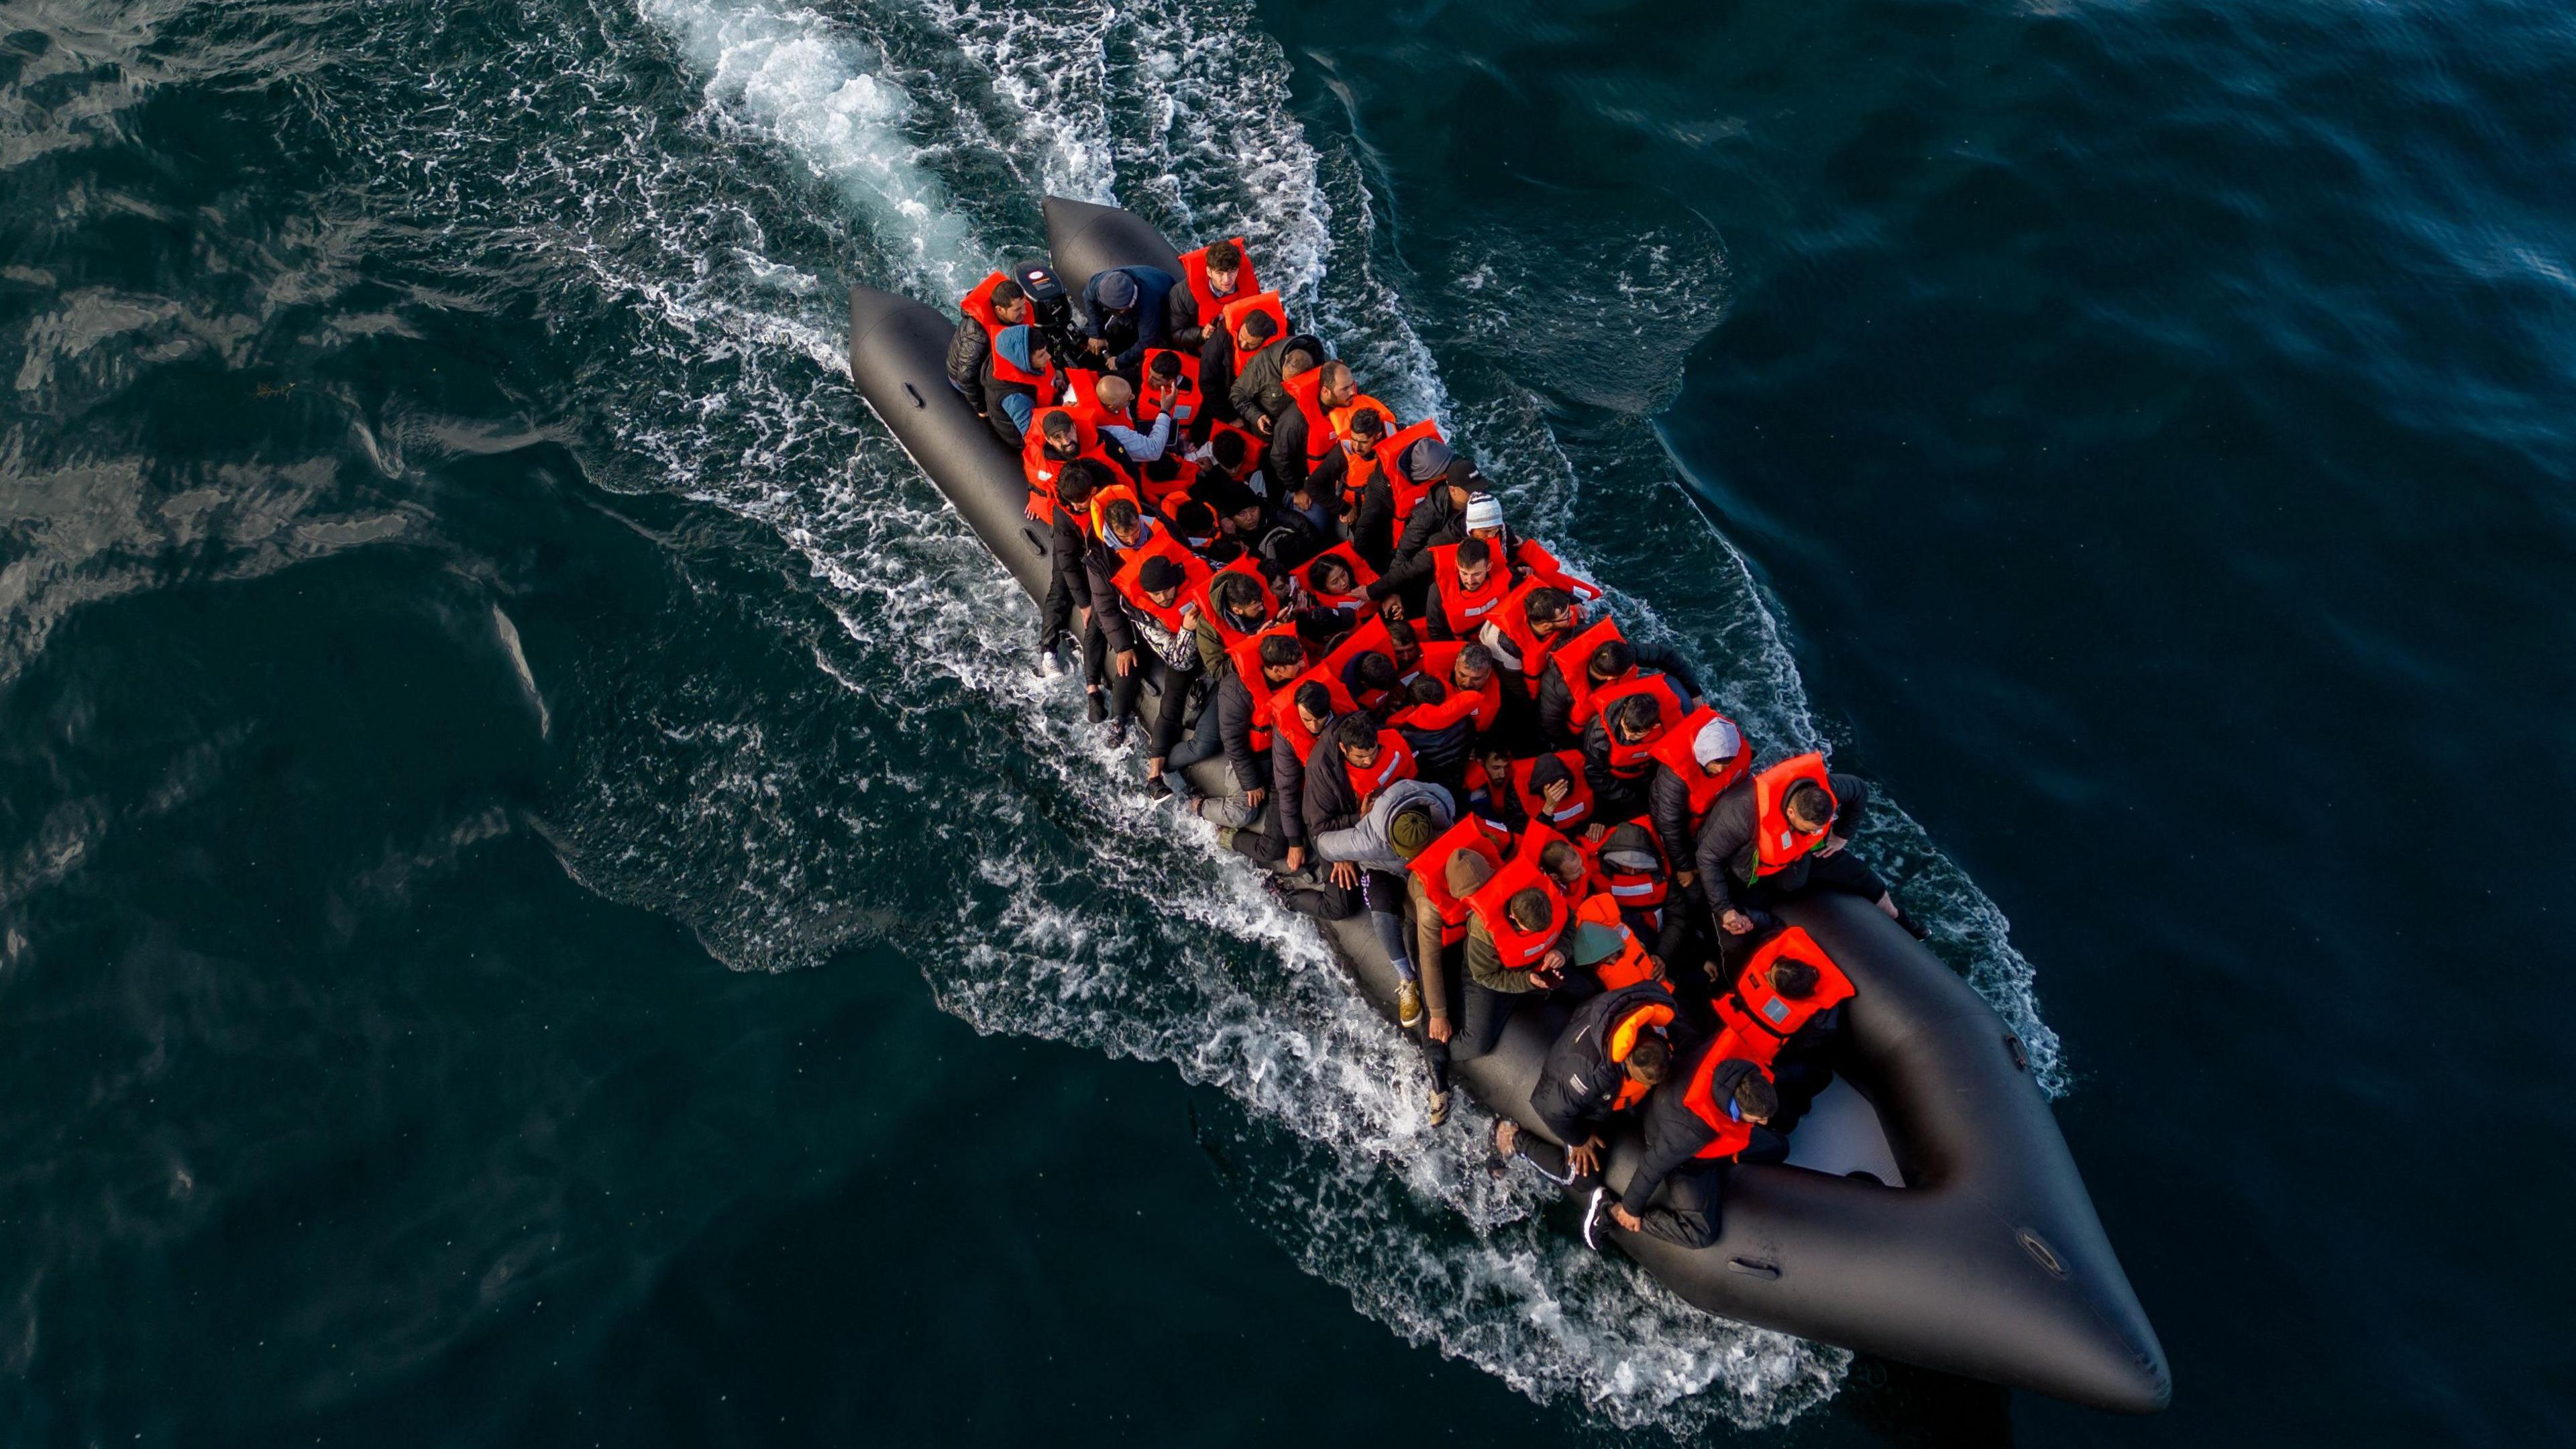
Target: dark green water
[537, 905]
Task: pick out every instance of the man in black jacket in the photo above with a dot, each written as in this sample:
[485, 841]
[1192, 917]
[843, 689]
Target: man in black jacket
[1067, 610]
[1579, 1086]
[1631, 722]
[1286, 849]
[1725, 858]
[969, 347]
[1675, 1136]
[1291, 446]
[1231, 703]
[1612, 663]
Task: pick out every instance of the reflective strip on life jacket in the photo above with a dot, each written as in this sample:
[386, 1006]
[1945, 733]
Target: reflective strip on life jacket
[1778, 845]
[1568, 817]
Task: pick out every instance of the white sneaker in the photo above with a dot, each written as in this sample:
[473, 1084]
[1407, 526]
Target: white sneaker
[1049, 665]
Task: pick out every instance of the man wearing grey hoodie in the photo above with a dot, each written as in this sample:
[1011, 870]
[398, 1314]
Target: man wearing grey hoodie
[1372, 854]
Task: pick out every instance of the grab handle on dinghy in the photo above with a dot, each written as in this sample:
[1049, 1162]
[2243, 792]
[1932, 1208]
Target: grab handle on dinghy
[2021, 1059]
[915, 394]
[1768, 1272]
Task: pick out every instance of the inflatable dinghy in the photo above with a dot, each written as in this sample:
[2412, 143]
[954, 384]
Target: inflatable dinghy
[1929, 1211]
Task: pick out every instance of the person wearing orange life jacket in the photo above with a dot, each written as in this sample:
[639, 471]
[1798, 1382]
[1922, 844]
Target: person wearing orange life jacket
[1695, 762]
[1351, 472]
[1234, 609]
[1371, 855]
[1214, 275]
[1594, 660]
[1447, 702]
[1710, 1113]
[1782, 1013]
[1551, 790]
[1618, 746]
[1019, 378]
[1138, 576]
[1522, 630]
[1061, 435]
[1066, 612]
[1242, 706]
[1302, 437]
[1489, 785]
[1440, 879]
[1300, 720]
[997, 302]
[1517, 928]
[1615, 1049]
[1640, 885]
[1244, 329]
[1259, 390]
[1782, 830]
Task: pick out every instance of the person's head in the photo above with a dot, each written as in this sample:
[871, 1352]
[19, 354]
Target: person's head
[1367, 429]
[1115, 393]
[1484, 517]
[1332, 576]
[1061, 435]
[1426, 690]
[1408, 645]
[1649, 1061]
[1637, 719]
[1161, 580]
[1196, 522]
[1255, 331]
[1281, 661]
[1245, 515]
[1041, 357]
[1466, 873]
[1427, 461]
[1475, 563]
[1756, 1098]
[1165, 368]
[1116, 291]
[1794, 979]
[1228, 450]
[1010, 302]
[1630, 850]
[1240, 598]
[1475, 665]
[1808, 806]
[1121, 519]
[1551, 781]
[1413, 828]
[1375, 672]
[1357, 735]
[1528, 909]
[1716, 746]
[1224, 266]
[1339, 387]
[1561, 860]
[1314, 706]
[1076, 482]
[1498, 765]
[1611, 661]
[1297, 363]
[1549, 610]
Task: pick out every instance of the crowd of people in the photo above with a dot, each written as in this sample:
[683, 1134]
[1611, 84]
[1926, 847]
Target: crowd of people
[1423, 716]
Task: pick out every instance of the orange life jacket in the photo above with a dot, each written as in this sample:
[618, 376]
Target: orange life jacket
[1205, 597]
[1361, 577]
[1394, 762]
[1129, 580]
[1005, 370]
[1537, 563]
[1369, 638]
[1519, 949]
[1700, 1096]
[1194, 270]
[1255, 446]
[1306, 390]
[1284, 717]
[1569, 817]
[1572, 662]
[1390, 458]
[1101, 498]
[1634, 891]
[1651, 1018]
[1042, 467]
[1463, 610]
[1778, 845]
[1630, 760]
[1511, 617]
[1633, 963]
[1534, 843]
[1267, 699]
[1242, 307]
[1431, 867]
[1485, 704]
[1361, 466]
[1673, 749]
[1761, 1020]
[1148, 407]
[978, 304]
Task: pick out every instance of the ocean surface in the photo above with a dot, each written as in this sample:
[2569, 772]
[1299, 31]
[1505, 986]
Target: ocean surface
[540, 903]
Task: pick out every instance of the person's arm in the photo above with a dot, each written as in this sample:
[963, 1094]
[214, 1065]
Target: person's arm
[1429, 956]
[966, 354]
[1288, 781]
[1423, 529]
[1108, 607]
[1066, 556]
[1664, 659]
[1677, 1138]
[1851, 803]
[1553, 1102]
[1485, 963]
[1019, 408]
[1216, 376]
[1181, 316]
[1287, 458]
[1606, 786]
[1556, 710]
[1212, 657]
[1373, 525]
[1668, 807]
[1726, 834]
[1141, 447]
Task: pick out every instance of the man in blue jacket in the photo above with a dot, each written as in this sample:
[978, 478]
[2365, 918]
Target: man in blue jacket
[1126, 310]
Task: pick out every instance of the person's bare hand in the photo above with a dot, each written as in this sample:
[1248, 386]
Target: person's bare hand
[1736, 923]
[1296, 857]
[1252, 798]
[1584, 1158]
[1345, 874]
[1437, 1028]
[1126, 662]
[1833, 843]
[1592, 834]
[1625, 1218]
[1552, 962]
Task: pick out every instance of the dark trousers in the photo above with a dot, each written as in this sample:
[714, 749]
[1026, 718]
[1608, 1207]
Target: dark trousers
[1055, 615]
[1688, 1214]
[1204, 743]
[1172, 688]
[1480, 1025]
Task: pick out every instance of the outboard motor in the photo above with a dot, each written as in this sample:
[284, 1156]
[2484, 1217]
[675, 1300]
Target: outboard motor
[1050, 310]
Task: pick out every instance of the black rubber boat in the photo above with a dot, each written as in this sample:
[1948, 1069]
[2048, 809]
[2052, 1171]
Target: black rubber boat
[1929, 1212]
